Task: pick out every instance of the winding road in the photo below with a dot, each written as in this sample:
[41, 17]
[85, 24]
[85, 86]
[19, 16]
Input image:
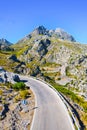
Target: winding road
[50, 112]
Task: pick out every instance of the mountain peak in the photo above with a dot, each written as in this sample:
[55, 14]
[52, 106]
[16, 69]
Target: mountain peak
[57, 33]
[61, 34]
[5, 45]
[59, 30]
[41, 27]
[40, 30]
[64, 35]
[4, 41]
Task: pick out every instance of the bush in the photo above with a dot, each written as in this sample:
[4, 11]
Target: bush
[1, 92]
[24, 94]
[19, 86]
[17, 98]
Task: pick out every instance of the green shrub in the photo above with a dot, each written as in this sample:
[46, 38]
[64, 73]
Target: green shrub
[19, 86]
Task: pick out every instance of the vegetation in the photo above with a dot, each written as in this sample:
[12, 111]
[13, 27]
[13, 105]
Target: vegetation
[54, 76]
[5, 62]
[74, 97]
[1, 92]
[18, 92]
[24, 94]
[84, 118]
[48, 64]
[19, 86]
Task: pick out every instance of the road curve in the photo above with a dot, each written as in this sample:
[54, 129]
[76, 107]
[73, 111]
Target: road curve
[50, 112]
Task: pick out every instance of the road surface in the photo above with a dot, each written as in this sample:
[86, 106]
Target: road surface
[50, 112]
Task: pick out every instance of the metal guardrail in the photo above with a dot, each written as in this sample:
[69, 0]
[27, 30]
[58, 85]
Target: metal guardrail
[75, 123]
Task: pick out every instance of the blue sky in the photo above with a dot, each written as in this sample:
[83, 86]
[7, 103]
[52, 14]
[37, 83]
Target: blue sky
[19, 17]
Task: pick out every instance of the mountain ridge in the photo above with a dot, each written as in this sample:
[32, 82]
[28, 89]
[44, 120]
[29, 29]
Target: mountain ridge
[5, 45]
[45, 54]
[58, 33]
[4, 41]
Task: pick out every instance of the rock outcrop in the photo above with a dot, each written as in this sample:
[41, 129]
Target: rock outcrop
[5, 45]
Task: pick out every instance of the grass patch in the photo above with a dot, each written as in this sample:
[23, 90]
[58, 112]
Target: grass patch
[5, 62]
[49, 64]
[52, 74]
[18, 86]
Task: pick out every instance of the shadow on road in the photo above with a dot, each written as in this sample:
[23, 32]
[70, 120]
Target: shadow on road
[24, 81]
[35, 108]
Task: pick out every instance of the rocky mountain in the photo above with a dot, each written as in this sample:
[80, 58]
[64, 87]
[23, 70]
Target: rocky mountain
[57, 33]
[50, 54]
[5, 45]
[4, 41]
[54, 56]
[60, 33]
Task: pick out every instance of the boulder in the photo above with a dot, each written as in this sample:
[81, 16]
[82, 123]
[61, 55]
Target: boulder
[16, 78]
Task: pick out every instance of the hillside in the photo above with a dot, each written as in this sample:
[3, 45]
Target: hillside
[54, 56]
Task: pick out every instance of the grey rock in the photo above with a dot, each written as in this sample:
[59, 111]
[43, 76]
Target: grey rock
[2, 69]
[16, 78]
[64, 35]
[57, 33]
[5, 45]
[42, 47]
[5, 42]
[40, 30]
[1, 80]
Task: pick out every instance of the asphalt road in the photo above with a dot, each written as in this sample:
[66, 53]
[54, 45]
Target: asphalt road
[50, 112]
